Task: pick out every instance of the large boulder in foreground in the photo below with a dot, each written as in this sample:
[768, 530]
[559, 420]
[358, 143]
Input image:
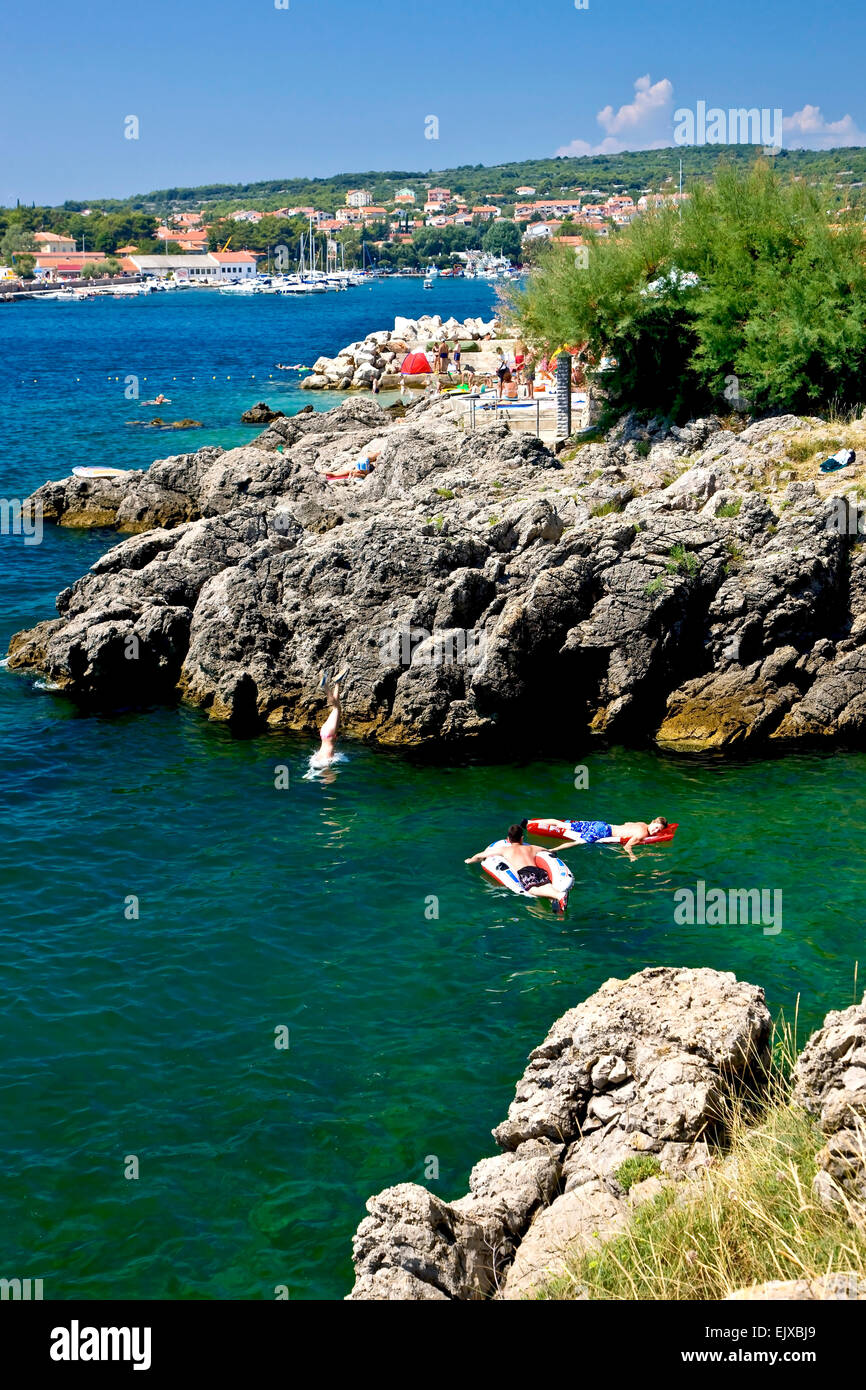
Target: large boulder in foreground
[830, 1082]
[646, 1066]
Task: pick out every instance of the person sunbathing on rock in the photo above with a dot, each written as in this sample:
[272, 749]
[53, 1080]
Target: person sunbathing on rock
[521, 858]
[630, 833]
[331, 727]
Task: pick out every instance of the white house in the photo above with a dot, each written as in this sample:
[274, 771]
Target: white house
[212, 268]
[202, 269]
[540, 229]
[234, 265]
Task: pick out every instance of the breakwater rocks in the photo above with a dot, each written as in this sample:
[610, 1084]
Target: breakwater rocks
[688, 585]
[629, 1093]
[379, 356]
[644, 1067]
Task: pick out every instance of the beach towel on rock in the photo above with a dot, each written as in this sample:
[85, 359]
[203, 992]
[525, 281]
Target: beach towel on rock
[839, 460]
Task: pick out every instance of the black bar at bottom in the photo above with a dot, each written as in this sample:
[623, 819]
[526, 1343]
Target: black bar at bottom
[164, 1339]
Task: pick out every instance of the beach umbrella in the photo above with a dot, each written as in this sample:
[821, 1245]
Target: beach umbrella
[414, 363]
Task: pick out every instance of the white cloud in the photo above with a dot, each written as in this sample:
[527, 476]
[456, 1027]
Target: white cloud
[645, 122]
[808, 129]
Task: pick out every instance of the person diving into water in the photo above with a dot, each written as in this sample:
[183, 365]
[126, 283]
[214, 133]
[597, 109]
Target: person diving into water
[331, 727]
[521, 858]
[630, 833]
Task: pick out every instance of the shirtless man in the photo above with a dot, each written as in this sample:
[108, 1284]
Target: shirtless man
[631, 832]
[521, 858]
[331, 727]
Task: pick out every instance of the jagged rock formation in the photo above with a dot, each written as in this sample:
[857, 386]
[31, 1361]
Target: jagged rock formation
[830, 1082]
[674, 584]
[261, 414]
[645, 1066]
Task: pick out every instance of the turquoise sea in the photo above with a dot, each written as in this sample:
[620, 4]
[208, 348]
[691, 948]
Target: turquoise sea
[411, 989]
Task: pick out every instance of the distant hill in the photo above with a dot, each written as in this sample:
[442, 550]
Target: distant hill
[631, 172]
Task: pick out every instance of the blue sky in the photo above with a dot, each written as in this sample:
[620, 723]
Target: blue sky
[227, 92]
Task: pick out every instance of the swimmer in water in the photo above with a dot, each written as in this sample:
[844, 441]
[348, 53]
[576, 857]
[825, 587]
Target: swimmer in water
[331, 727]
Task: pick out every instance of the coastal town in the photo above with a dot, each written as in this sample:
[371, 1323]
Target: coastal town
[201, 249]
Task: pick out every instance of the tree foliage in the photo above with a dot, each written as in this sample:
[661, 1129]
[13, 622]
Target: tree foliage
[750, 293]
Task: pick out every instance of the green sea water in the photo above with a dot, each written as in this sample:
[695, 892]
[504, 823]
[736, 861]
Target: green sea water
[170, 908]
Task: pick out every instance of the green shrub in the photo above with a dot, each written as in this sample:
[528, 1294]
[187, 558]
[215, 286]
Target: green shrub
[735, 550]
[444, 492]
[615, 504]
[636, 1170]
[730, 508]
[779, 303]
[642, 448]
[683, 561]
[655, 586]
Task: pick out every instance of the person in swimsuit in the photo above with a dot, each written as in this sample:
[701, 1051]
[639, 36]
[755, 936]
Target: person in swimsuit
[443, 359]
[455, 357]
[503, 371]
[331, 727]
[521, 858]
[519, 359]
[630, 833]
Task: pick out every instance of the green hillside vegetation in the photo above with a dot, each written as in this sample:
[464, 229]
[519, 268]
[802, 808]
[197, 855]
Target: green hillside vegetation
[749, 297]
[631, 172]
[837, 175]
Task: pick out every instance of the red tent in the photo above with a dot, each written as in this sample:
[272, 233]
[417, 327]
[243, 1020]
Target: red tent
[414, 363]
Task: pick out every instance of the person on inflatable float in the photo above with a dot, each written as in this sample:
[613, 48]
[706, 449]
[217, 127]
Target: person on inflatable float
[521, 858]
[630, 833]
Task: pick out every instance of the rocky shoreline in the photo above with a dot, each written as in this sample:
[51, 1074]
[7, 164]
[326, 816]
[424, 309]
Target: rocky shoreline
[645, 1068]
[690, 586]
